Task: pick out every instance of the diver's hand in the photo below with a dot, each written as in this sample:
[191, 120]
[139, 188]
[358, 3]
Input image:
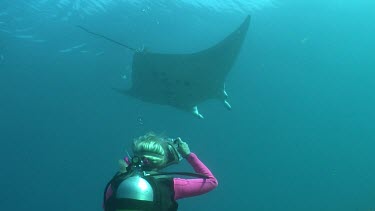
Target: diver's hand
[183, 147]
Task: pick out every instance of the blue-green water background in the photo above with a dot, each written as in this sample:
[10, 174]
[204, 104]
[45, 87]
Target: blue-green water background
[300, 135]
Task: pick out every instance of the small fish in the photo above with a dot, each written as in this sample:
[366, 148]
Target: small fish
[79, 46]
[65, 50]
[1, 58]
[305, 40]
[24, 36]
[23, 30]
[99, 53]
[124, 77]
[6, 31]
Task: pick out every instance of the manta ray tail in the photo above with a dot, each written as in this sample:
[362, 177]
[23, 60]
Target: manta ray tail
[106, 38]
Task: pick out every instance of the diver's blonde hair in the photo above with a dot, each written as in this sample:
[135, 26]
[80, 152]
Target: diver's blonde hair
[150, 146]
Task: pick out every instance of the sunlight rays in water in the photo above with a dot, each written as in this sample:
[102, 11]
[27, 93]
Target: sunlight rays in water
[82, 8]
[21, 20]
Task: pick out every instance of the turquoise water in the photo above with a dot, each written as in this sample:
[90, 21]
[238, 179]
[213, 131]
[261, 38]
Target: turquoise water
[300, 135]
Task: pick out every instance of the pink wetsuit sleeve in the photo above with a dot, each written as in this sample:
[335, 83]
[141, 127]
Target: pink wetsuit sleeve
[192, 187]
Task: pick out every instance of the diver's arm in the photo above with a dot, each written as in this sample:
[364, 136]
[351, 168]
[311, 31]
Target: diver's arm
[192, 187]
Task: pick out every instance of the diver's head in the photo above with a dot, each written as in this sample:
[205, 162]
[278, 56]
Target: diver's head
[159, 152]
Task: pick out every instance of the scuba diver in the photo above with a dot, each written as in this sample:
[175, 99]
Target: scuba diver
[139, 185]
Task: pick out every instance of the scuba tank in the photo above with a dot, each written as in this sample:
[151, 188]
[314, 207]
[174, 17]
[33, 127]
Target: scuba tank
[130, 190]
[135, 187]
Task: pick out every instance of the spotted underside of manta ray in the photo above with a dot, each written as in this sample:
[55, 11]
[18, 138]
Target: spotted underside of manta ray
[185, 80]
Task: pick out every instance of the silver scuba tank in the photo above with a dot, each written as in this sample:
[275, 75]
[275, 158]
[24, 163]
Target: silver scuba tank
[135, 187]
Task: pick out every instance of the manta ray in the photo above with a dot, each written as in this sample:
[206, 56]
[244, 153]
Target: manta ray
[184, 80]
